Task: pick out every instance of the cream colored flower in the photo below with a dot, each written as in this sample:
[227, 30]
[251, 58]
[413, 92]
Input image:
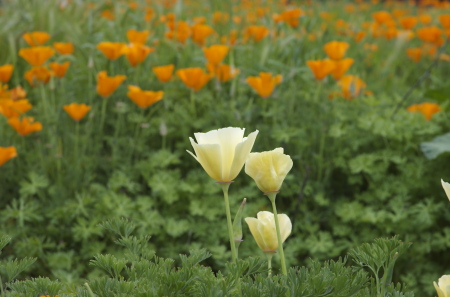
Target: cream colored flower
[268, 169]
[223, 152]
[264, 231]
[443, 290]
[446, 187]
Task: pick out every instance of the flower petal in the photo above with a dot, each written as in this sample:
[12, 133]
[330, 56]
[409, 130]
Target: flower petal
[209, 156]
[241, 153]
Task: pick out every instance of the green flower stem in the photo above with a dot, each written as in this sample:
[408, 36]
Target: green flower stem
[269, 262]
[225, 187]
[194, 109]
[272, 196]
[89, 290]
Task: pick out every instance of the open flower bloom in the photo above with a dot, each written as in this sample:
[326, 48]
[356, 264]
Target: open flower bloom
[265, 83]
[106, 85]
[194, 78]
[444, 19]
[268, 169]
[264, 231]
[63, 48]
[215, 53]
[164, 73]
[6, 154]
[36, 56]
[14, 108]
[341, 67]
[427, 109]
[320, 68]
[443, 286]
[180, 32]
[408, 22]
[36, 38]
[38, 74]
[222, 153]
[336, 49]
[135, 36]
[290, 17]
[6, 72]
[59, 70]
[257, 33]
[25, 126]
[200, 32]
[223, 72]
[414, 53]
[446, 187]
[111, 50]
[351, 86]
[77, 111]
[136, 53]
[431, 34]
[142, 98]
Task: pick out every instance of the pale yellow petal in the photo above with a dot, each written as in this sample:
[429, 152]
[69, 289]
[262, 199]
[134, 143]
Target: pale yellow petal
[254, 229]
[269, 233]
[444, 284]
[229, 138]
[285, 226]
[438, 290]
[241, 154]
[446, 187]
[209, 156]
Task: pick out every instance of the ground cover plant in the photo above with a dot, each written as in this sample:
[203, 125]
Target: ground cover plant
[98, 100]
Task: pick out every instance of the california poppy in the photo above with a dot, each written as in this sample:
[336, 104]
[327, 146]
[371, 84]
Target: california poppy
[200, 32]
[148, 14]
[425, 19]
[18, 93]
[77, 111]
[265, 83]
[181, 32]
[431, 34]
[38, 74]
[408, 22]
[36, 56]
[6, 72]
[107, 14]
[291, 17]
[224, 72]
[14, 108]
[381, 16]
[135, 36]
[336, 49]
[6, 154]
[36, 38]
[351, 86]
[215, 53]
[320, 68]
[136, 53]
[63, 48]
[444, 19]
[194, 78]
[106, 85]
[164, 73]
[257, 33]
[414, 54]
[25, 126]
[341, 67]
[111, 50]
[59, 70]
[427, 109]
[142, 98]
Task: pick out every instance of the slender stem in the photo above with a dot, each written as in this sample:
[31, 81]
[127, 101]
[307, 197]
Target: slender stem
[225, 187]
[269, 262]
[89, 290]
[272, 197]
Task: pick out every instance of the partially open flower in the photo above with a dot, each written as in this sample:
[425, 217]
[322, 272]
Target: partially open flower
[6, 154]
[223, 152]
[264, 231]
[446, 187]
[443, 286]
[268, 169]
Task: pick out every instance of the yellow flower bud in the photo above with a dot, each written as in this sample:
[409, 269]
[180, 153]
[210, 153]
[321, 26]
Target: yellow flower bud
[443, 286]
[223, 152]
[264, 231]
[446, 187]
[268, 169]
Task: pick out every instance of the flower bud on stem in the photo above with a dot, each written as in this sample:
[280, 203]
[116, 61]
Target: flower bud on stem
[272, 196]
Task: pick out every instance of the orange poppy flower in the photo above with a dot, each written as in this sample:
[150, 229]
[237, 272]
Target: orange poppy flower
[257, 33]
[444, 19]
[135, 36]
[215, 53]
[431, 34]
[194, 78]
[112, 50]
[142, 98]
[25, 126]
[36, 56]
[370, 47]
[408, 22]
[321, 68]
[148, 14]
[106, 85]
[107, 14]
[220, 17]
[200, 32]
[63, 48]
[136, 53]
[381, 17]
[14, 108]
[38, 74]
[36, 38]
[18, 93]
[59, 70]
[426, 108]
[164, 73]
[182, 32]
[265, 83]
[425, 19]
[359, 36]
[77, 111]
[6, 154]
[223, 72]
[133, 5]
[336, 49]
[6, 72]
[351, 86]
[414, 54]
[341, 67]
[291, 17]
